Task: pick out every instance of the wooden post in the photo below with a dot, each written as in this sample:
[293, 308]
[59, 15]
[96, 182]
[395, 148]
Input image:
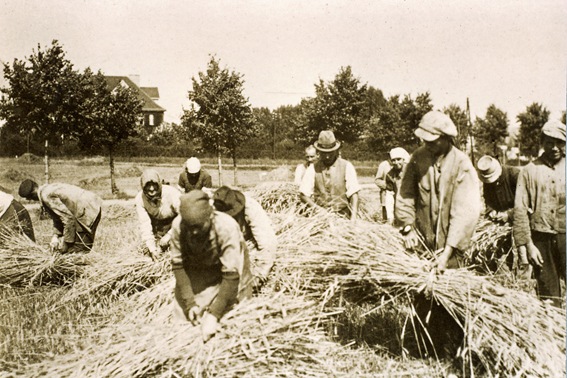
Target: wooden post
[220, 167]
[46, 162]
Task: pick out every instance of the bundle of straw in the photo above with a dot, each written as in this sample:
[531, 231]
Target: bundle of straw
[120, 275]
[490, 241]
[508, 331]
[23, 262]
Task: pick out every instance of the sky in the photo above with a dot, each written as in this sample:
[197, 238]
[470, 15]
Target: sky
[510, 53]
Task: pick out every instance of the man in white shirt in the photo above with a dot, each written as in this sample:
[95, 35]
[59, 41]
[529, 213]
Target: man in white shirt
[310, 157]
[331, 182]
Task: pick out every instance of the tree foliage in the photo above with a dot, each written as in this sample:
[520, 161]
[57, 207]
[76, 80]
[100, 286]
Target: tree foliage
[220, 115]
[491, 131]
[43, 96]
[459, 118]
[531, 122]
[337, 106]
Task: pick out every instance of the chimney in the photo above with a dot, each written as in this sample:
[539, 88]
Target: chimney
[135, 79]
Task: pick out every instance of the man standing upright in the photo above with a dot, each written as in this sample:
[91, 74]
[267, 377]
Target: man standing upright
[539, 213]
[332, 180]
[439, 196]
[380, 181]
[194, 177]
[310, 157]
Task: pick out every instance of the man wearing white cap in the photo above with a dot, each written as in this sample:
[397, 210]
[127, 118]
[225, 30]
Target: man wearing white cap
[194, 176]
[332, 180]
[399, 158]
[439, 196]
[499, 190]
[539, 213]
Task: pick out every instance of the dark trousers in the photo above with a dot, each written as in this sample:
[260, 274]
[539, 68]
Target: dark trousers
[84, 240]
[18, 219]
[552, 249]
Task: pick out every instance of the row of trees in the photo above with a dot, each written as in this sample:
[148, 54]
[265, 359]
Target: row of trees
[48, 100]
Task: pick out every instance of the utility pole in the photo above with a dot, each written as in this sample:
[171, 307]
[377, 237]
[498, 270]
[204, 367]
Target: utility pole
[469, 127]
[274, 136]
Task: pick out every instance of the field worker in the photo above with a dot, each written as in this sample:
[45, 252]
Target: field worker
[380, 181]
[194, 176]
[331, 180]
[499, 191]
[539, 213]
[210, 262]
[399, 158]
[310, 157]
[14, 216]
[255, 226]
[157, 205]
[439, 196]
[75, 213]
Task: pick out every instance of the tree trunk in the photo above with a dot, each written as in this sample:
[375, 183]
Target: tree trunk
[235, 169]
[46, 162]
[220, 168]
[113, 186]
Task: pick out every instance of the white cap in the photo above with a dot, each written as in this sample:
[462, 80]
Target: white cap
[193, 165]
[399, 153]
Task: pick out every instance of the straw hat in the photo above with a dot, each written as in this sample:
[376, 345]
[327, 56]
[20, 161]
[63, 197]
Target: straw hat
[489, 169]
[327, 142]
[229, 201]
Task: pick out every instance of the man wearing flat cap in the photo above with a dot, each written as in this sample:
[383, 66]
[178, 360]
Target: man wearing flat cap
[539, 213]
[255, 226]
[331, 182]
[210, 262]
[75, 213]
[439, 196]
[499, 191]
[194, 176]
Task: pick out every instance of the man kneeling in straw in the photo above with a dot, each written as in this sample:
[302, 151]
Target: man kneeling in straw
[210, 263]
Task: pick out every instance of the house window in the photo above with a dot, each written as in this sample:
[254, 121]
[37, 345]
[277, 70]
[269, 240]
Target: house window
[151, 120]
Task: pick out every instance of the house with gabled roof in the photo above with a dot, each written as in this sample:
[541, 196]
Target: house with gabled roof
[151, 111]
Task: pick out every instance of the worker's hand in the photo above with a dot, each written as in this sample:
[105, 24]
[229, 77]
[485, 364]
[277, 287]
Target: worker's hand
[209, 325]
[54, 244]
[411, 240]
[492, 215]
[164, 241]
[193, 314]
[151, 244]
[442, 261]
[501, 216]
[534, 255]
[63, 246]
[522, 255]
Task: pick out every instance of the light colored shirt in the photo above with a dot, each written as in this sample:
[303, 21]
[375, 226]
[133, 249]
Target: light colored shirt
[299, 172]
[5, 202]
[540, 200]
[260, 226]
[308, 183]
[168, 209]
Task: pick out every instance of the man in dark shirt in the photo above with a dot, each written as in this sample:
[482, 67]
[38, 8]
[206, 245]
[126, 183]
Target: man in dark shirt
[194, 177]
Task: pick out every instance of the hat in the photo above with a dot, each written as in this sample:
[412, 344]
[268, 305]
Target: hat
[26, 188]
[193, 165]
[489, 169]
[229, 201]
[434, 124]
[399, 153]
[194, 207]
[327, 142]
[554, 129]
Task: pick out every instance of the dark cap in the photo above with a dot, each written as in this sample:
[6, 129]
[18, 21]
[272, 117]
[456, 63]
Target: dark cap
[26, 188]
[195, 208]
[228, 200]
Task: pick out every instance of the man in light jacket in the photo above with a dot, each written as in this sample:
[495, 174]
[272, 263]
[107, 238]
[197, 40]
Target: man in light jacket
[75, 212]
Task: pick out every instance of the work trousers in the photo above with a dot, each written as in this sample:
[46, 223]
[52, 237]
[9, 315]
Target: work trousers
[18, 219]
[552, 249]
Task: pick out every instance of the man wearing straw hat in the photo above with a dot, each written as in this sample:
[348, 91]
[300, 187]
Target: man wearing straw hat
[399, 158]
[14, 216]
[194, 176]
[499, 191]
[332, 180]
[539, 213]
[310, 157]
[75, 212]
[439, 196]
[157, 205]
[210, 262]
[255, 226]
